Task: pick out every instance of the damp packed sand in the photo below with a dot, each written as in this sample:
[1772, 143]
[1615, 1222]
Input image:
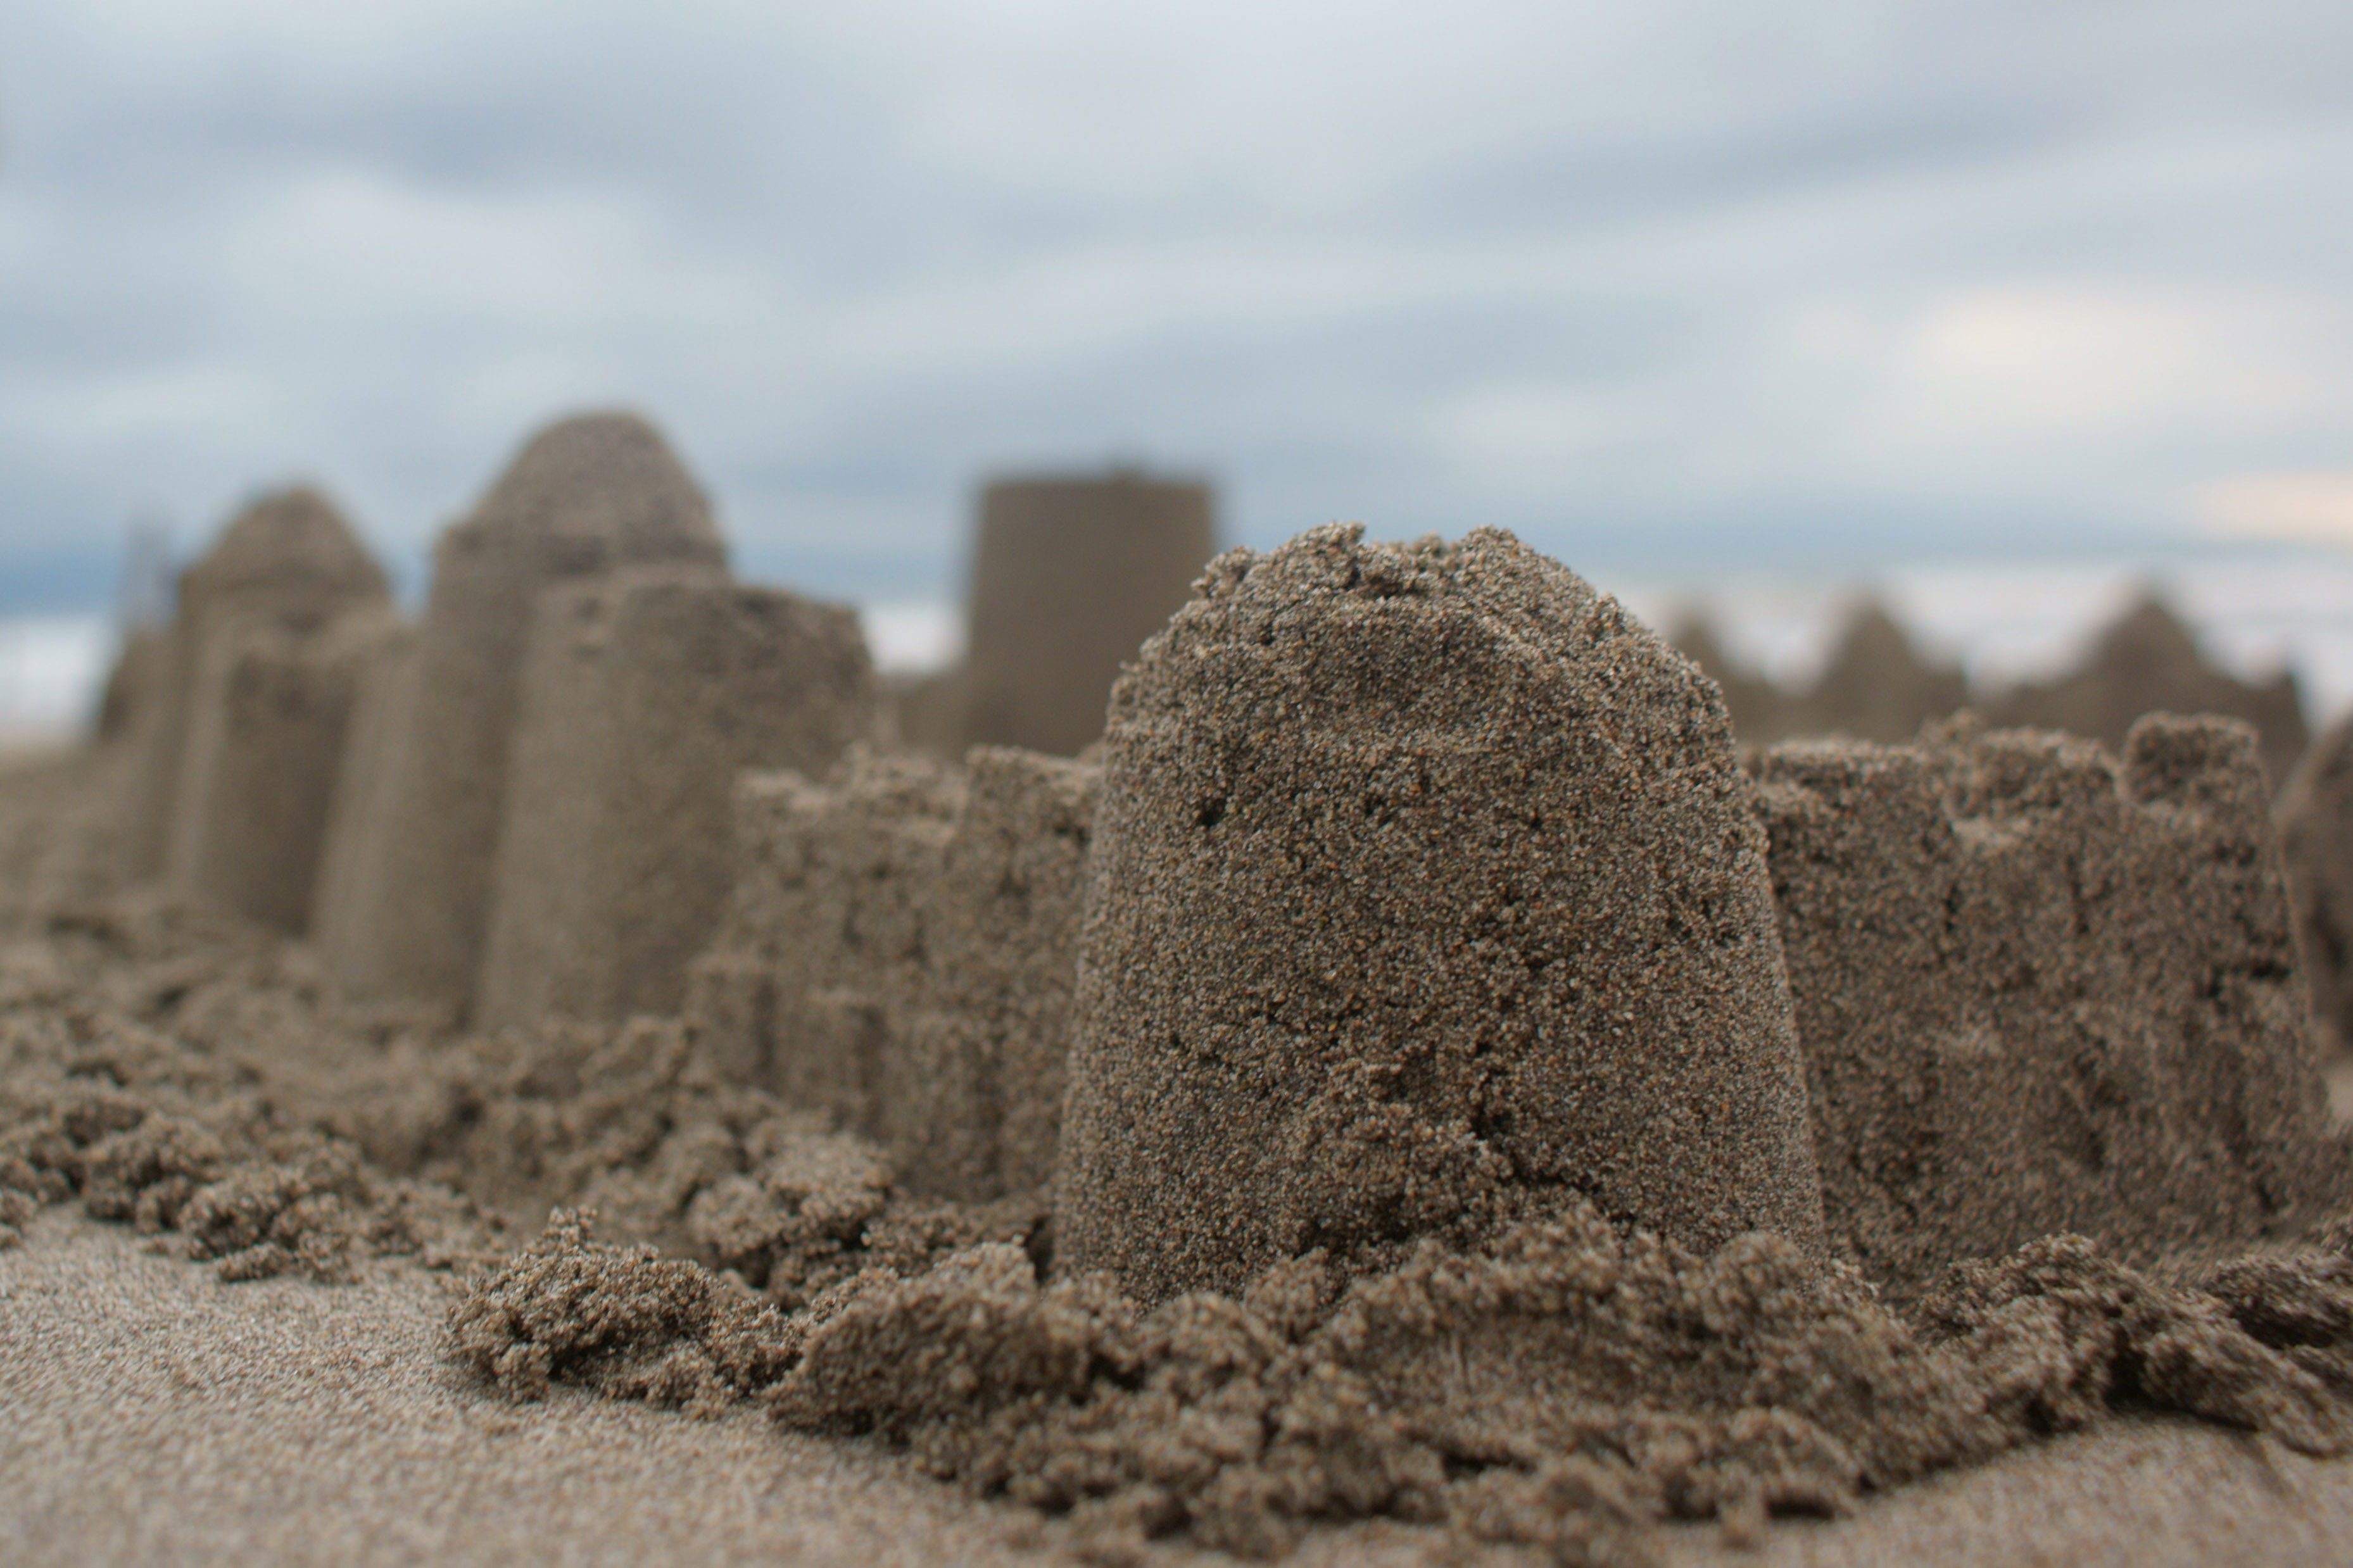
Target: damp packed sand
[294, 1274]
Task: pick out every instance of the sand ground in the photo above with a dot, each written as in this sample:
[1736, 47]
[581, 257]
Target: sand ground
[150, 1413]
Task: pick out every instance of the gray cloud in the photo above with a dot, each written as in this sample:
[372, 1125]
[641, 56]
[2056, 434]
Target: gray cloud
[1694, 281]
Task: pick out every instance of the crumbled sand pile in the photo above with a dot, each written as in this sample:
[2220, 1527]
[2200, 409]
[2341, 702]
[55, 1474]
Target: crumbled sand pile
[1423, 900]
[584, 496]
[2315, 818]
[2041, 988]
[1569, 1388]
[2149, 662]
[645, 694]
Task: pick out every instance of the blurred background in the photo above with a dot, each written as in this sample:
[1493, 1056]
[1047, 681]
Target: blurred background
[2001, 311]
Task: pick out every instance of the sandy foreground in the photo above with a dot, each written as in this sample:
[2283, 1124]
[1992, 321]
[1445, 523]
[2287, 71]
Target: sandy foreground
[150, 1413]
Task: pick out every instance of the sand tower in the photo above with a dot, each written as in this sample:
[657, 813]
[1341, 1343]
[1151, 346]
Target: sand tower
[1877, 687]
[585, 496]
[644, 693]
[2315, 818]
[900, 950]
[1069, 577]
[2041, 988]
[288, 561]
[268, 717]
[1422, 893]
[2147, 662]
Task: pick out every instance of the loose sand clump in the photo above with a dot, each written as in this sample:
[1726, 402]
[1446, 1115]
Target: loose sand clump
[1571, 1386]
[622, 1320]
[1423, 898]
[186, 1144]
[2041, 988]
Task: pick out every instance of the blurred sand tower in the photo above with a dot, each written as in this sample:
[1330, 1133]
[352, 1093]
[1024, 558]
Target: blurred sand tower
[411, 871]
[1070, 576]
[287, 566]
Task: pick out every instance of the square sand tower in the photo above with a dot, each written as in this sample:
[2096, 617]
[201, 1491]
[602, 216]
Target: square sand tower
[383, 696]
[2043, 988]
[644, 694]
[900, 950]
[288, 561]
[1069, 577]
[268, 718]
[584, 496]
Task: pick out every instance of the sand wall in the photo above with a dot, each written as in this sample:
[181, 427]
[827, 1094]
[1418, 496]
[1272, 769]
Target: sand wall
[900, 950]
[584, 496]
[1422, 896]
[644, 693]
[2043, 988]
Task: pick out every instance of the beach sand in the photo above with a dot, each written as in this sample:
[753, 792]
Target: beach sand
[156, 1414]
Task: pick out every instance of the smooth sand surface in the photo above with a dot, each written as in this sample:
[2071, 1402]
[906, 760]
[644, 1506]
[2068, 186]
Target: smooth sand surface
[150, 1414]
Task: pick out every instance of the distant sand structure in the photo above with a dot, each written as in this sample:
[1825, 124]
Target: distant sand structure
[585, 496]
[1421, 893]
[2147, 661]
[1877, 685]
[1069, 576]
[644, 693]
[290, 562]
[2044, 988]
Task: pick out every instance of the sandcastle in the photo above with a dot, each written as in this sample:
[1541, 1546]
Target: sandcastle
[1422, 896]
[1069, 576]
[644, 693]
[585, 496]
[2041, 988]
[288, 562]
[900, 952]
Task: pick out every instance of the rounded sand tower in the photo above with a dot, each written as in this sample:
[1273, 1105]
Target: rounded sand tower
[1424, 898]
[585, 496]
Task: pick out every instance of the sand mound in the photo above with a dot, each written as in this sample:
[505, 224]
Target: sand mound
[1423, 898]
[2315, 819]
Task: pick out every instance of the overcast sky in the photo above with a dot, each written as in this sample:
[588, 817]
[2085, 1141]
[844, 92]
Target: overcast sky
[1686, 285]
